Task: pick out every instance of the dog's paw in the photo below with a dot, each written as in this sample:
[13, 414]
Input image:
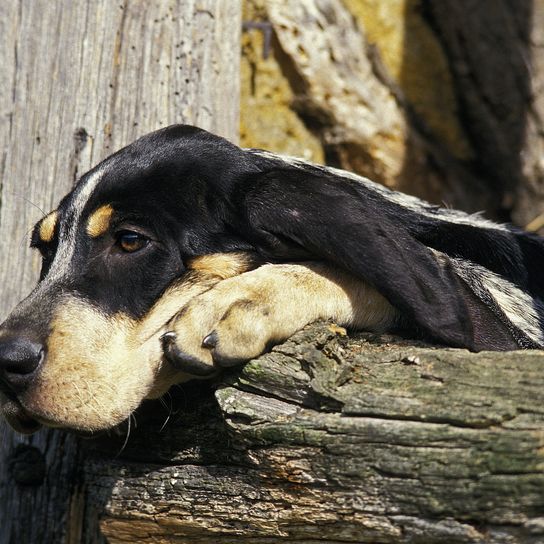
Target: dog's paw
[240, 317]
[225, 326]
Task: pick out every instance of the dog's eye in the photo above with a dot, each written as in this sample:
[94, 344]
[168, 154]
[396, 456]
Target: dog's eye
[130, 241]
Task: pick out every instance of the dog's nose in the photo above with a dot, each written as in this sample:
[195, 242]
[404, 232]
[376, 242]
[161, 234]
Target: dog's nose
[19, 360]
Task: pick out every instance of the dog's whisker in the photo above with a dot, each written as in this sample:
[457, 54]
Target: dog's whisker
[27, 200]
[107, 387]
[25, 235]
[164, 424]
[169, 407]
[94, 398]
[85, 401]
[129, 419]
[79, 395]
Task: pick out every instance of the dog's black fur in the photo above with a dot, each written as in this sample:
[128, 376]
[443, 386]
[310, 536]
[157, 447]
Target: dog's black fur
[220, 198]
[456, 279]
[200, 194]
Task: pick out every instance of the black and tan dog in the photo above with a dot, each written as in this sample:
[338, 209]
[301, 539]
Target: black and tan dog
[182, 253]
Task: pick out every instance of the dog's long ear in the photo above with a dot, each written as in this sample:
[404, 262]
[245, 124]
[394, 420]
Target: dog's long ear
[298, 212]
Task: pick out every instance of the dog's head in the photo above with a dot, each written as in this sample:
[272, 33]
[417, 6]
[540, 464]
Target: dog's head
[134, 242]
[122, 253]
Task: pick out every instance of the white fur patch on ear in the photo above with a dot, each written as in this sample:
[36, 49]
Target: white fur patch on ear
[99, 221]
[47, 226]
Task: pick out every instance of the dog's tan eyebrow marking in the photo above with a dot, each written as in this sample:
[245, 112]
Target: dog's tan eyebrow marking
[46, 230]
[99, 221]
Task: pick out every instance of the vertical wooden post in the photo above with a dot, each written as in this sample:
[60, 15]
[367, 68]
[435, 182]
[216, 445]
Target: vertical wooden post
[80, 79]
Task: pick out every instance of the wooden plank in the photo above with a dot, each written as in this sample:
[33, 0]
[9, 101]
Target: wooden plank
[80, 79]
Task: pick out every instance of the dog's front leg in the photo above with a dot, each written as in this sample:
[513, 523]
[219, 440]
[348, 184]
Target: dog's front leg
[241, 317]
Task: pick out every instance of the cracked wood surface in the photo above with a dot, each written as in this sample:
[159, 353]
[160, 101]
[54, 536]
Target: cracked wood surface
[81, 79]
[333, 439]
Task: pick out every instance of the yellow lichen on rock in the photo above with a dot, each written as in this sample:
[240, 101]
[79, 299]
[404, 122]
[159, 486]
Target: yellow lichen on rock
[414, 58]
[267, 120]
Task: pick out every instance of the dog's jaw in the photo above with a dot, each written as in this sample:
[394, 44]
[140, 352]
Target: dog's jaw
[86, 381]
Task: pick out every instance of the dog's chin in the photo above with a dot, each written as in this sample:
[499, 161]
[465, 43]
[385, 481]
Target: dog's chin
[25, 422]
[18, 418]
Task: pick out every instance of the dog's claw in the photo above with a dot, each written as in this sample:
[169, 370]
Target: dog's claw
[210, 341]
[183, 361]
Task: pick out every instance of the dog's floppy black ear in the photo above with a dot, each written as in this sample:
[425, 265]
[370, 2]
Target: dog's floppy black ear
[300, 213]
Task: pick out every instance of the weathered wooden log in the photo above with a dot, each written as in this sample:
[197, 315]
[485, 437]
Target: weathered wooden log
[80, 79]
[334, 438]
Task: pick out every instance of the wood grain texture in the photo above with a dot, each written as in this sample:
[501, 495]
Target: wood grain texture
[80, 79]
[337, 439]
[331, 57]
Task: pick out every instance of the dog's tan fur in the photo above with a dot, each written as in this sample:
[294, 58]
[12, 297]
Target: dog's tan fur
[46, 230]
[269, 304]
[99, 368]
[221, 265]
[99, 221]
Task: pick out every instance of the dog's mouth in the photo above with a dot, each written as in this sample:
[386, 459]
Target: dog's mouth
[17, 417]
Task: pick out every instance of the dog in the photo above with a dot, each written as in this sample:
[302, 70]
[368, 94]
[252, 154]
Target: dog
[183, 253]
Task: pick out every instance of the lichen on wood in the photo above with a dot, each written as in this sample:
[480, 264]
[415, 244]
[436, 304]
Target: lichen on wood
[336, 438]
